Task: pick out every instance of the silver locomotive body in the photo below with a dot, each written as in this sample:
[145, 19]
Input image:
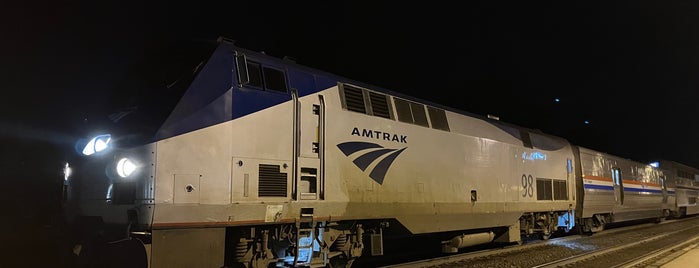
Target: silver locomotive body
[313, 164]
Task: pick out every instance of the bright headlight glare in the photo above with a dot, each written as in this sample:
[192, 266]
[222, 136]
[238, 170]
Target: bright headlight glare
[125, 167]
[66, 172]
[97, 144]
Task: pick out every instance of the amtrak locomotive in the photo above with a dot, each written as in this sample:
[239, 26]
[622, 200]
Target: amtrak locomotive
[264, 162]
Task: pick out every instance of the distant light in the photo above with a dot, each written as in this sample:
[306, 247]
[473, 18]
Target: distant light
[557, 100]
[654, 164]
[493, 117]
[586, 122]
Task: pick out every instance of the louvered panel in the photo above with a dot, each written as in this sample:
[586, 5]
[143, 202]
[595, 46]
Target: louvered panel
[379, 105]
[272, 183]
[560, 190]
[354, 99]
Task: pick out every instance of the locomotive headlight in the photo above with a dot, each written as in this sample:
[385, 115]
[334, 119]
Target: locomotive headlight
[97, 144]
[125, 167]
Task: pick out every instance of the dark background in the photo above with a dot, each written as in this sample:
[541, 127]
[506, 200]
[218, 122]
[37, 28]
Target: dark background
[625, 74]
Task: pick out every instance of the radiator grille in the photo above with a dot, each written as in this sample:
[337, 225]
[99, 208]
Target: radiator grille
[548, 189]
[272, 183]
[543, 189]
[354, 99]
[560, 190]
[379, 105]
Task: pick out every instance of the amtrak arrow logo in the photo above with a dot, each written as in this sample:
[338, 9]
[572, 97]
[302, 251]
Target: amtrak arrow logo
[373, 152]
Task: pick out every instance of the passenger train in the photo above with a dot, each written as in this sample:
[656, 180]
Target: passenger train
[264, 162]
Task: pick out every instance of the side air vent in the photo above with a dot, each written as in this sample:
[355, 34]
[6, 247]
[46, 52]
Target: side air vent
[354, 99]
[543, 189]
[548, 189]
[411, 112]
[379, 105]
[560, 190]
[438, 118]
[272, 183]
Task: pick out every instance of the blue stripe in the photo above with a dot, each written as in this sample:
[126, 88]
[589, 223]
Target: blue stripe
[636, 190]
[598, 187]
[626, 189]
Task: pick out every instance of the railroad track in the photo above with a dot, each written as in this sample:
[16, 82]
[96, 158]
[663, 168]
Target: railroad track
[663, 256]
[608, 257]
[651, 244]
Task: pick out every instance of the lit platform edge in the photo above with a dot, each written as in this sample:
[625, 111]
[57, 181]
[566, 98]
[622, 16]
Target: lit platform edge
[687, 256]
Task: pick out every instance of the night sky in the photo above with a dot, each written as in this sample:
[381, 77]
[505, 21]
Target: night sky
[625, 74]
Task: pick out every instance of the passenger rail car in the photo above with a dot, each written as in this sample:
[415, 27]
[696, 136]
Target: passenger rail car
[615, 189]
[266, 162]
[683, 185]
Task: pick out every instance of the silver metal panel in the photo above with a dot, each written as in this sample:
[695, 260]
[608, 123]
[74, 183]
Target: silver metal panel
[691, 210]
[205, 152]
[186, 188]
[188, 248]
